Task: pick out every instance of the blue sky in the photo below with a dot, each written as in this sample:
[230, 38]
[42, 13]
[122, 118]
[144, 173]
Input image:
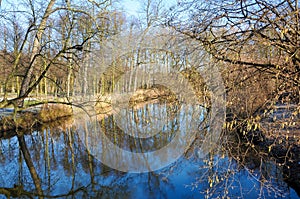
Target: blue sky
[132, 7]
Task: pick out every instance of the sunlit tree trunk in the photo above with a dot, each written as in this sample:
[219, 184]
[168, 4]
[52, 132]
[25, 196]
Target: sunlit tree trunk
[36, 45]
[70, 68]
[85, 75]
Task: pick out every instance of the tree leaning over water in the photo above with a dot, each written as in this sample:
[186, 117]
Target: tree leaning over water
[47, 36]
[256, 44]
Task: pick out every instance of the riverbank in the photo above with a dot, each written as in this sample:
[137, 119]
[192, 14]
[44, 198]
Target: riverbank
[32, 118]
[101, 106]
[270, 139]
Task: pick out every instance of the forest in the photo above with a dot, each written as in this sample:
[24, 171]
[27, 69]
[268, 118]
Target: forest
[237, 59]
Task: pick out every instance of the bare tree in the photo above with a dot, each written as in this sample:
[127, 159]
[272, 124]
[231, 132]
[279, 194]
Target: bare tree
[35, 39]
[257, 40]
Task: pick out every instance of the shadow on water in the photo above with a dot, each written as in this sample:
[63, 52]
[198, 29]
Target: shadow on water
[54, 162]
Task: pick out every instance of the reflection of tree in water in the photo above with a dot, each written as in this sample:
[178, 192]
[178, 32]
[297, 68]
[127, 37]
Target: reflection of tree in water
[220, 174]
[30, 165]
[60, 158]
[163, 135]
[17, 189]
[56, 163]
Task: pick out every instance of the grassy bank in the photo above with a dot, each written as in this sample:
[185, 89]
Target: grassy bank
[33, 118]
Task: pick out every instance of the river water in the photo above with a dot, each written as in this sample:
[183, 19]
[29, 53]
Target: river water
[71, 159]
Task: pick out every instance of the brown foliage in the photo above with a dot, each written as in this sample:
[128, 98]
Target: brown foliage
[248, 90]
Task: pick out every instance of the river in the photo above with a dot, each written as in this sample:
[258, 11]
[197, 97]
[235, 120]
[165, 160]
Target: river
[83, 158]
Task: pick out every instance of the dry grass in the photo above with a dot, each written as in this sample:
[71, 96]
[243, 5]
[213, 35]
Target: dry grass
[32, 119]
[53, 112]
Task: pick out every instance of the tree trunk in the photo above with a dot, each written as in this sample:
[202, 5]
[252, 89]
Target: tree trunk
[36, 45]
[85, 77]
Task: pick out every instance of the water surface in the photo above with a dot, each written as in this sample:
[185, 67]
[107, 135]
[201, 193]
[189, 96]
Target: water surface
[63, 161]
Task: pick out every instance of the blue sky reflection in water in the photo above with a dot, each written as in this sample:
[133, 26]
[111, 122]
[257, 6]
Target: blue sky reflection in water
[66, 168]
